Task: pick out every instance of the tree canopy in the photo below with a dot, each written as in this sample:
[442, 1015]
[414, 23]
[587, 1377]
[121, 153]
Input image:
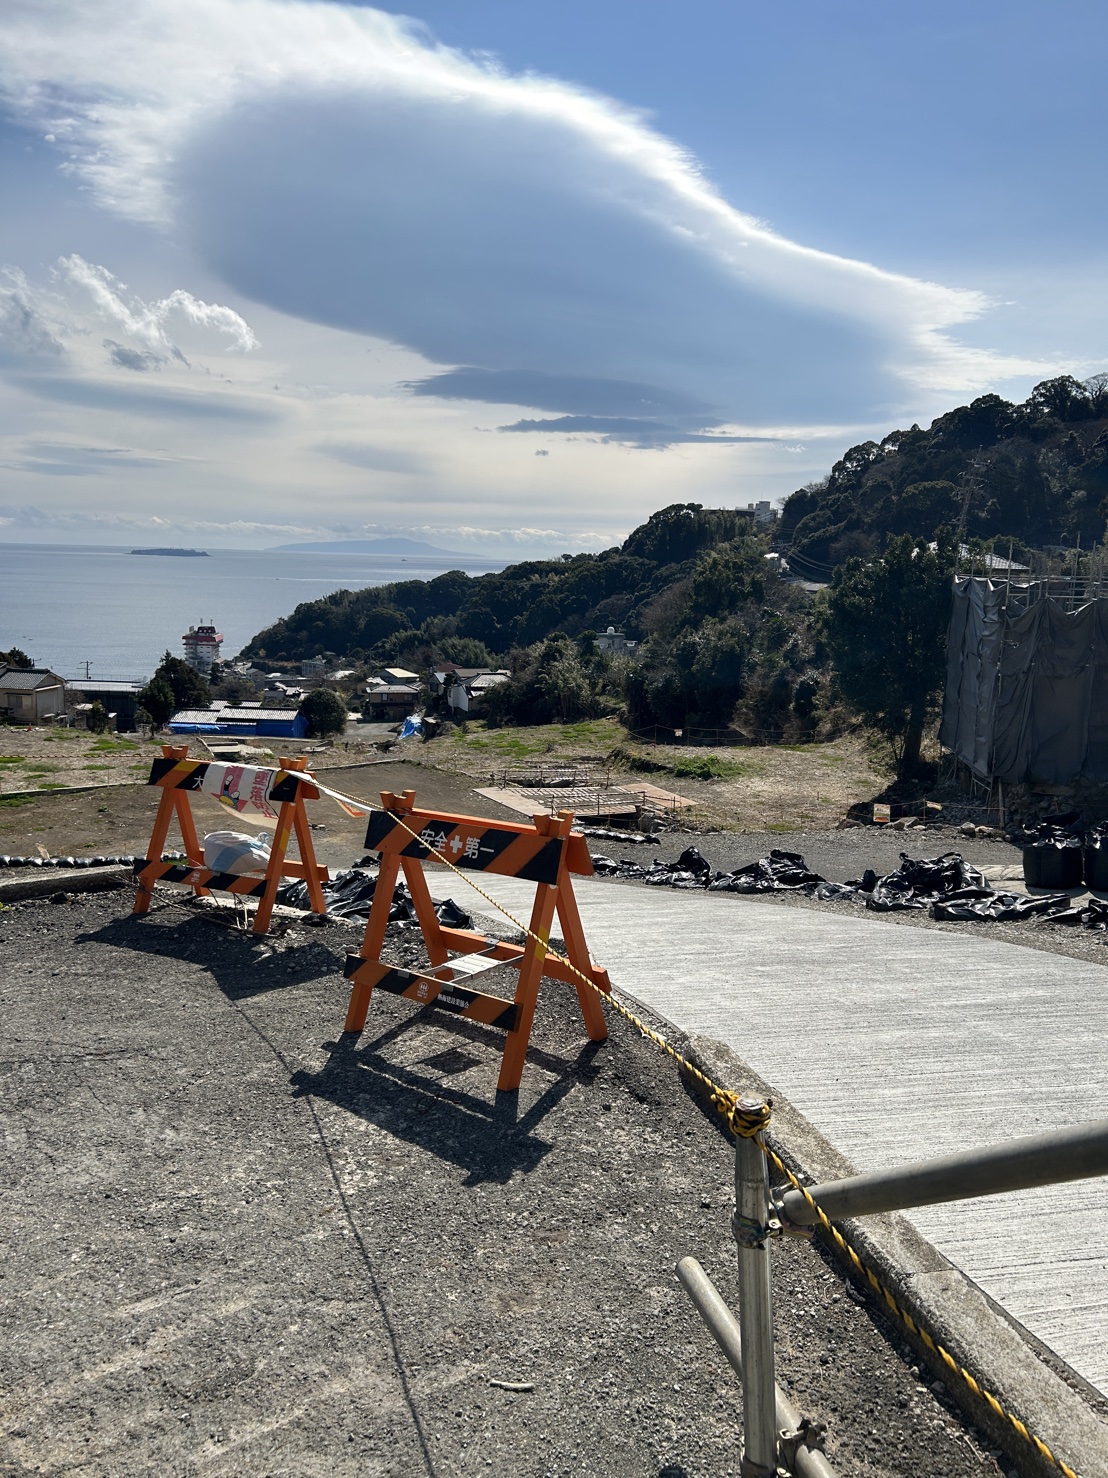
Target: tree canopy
[325, 711]
[885, 625]
[174, 686]
[1034, 474]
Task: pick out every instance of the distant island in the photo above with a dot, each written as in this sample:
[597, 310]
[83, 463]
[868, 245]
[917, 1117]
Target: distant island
[368, 546]
[178, 553]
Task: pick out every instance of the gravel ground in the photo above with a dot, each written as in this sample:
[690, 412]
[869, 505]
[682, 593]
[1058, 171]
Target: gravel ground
[235, 1243]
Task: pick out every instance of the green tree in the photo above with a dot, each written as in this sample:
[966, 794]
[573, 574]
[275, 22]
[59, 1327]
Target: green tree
[98, 720]
[325, 712]
[158, 701]
[885, 629]
[14, 657]
[189, 689]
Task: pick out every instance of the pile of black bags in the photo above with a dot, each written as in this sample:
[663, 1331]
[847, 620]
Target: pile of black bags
[350, 894]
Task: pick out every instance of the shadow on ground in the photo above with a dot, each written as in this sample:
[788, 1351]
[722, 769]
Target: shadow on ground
[241, 964]
[414, 1100]
[404, 1080]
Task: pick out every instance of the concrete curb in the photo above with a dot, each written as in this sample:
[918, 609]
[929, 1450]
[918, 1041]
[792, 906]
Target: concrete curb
[38, 795]
[54, 880]
[938, 1296]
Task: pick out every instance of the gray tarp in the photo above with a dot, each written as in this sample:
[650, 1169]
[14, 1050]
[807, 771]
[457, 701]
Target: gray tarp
[1026, 694]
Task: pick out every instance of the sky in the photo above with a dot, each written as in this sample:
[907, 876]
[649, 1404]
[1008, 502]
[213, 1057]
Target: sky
[508, 277]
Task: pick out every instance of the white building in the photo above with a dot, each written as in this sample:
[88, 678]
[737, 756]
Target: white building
[613, 643]
[31, 695]
[202, 647]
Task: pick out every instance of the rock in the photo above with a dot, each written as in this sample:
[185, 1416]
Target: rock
[968, 829]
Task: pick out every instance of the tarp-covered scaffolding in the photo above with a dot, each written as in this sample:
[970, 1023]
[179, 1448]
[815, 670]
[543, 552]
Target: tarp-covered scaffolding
[1026, 694]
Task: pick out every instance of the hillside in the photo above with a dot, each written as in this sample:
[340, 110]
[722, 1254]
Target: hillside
[1034, 475]
[725, 638]
[479, 616]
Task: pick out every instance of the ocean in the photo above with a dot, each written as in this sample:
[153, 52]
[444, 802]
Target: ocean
[68, 605]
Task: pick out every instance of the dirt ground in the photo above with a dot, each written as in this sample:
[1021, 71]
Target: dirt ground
[773, 787]
[235, 1241]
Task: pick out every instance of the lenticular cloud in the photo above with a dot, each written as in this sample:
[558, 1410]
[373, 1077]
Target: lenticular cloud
[333, 163]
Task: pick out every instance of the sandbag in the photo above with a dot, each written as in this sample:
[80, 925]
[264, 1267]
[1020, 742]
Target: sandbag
[780, 872]
[234, 852]
[921, 881]
[1053, 852]
[979, 904]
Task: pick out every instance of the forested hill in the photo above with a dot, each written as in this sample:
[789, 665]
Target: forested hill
[469, 620]
[1034, 474]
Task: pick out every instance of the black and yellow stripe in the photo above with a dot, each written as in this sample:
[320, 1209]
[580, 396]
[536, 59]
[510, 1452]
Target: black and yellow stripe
[425, 990]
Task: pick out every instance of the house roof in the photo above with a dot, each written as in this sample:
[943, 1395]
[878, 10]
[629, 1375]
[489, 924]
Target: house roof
[29, 679]
[488, 680]
[467, 674]
[227, 715]
[92, 685]
[392, 690]
[400, 674]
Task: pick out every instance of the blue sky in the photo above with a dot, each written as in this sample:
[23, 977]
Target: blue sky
[512, 276]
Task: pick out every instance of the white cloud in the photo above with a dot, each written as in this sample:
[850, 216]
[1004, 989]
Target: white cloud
[331, 162]
[29, 335]
[147, 322]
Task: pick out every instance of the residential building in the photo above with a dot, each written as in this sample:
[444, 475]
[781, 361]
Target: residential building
[386, 701]
[463, 688]
[120, 700]
[31, 695]
[613, 643]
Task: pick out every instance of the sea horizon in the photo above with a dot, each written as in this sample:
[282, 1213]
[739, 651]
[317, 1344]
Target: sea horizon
[71, 604]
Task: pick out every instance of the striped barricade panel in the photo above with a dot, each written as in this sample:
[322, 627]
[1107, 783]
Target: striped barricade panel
[511, 851]
[149, 873]
[459, 1000]
[171, 774]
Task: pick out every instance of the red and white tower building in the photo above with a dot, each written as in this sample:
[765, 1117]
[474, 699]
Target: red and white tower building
[202, 646]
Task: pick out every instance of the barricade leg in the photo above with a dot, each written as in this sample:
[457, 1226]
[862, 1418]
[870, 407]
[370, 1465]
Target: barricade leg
[527, 990]
[577, 952]
[273, 871]
[307, 857]
[144, 893]
[374, 940]
[416, 878]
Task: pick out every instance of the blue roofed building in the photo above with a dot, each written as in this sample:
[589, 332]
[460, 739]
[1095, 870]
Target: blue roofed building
[246, 721]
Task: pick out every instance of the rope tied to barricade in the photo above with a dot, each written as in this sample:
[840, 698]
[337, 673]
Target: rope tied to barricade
[747, 1118]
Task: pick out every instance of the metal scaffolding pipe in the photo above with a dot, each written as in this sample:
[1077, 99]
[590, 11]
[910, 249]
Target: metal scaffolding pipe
[755, 1306]
[1019, 1164]
[806, 1462]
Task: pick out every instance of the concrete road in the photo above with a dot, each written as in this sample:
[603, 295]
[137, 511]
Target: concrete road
[898, 1043]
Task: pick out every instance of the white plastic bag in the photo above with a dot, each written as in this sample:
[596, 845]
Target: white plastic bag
[230, 851]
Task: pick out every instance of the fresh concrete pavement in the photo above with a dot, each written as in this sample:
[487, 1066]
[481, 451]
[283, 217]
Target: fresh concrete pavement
[897, 1043]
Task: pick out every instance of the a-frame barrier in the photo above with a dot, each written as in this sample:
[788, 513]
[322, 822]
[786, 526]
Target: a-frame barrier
[179, 777]
[546, 854]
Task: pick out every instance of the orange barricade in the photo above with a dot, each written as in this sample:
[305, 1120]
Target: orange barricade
[179, 777]
[546, 854]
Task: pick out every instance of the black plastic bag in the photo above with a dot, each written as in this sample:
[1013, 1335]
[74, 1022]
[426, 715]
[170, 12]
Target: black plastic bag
[780, 872]
[608, 867]
[920, 881]
[1053, 852]
[1091, 915]
[976, 905]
